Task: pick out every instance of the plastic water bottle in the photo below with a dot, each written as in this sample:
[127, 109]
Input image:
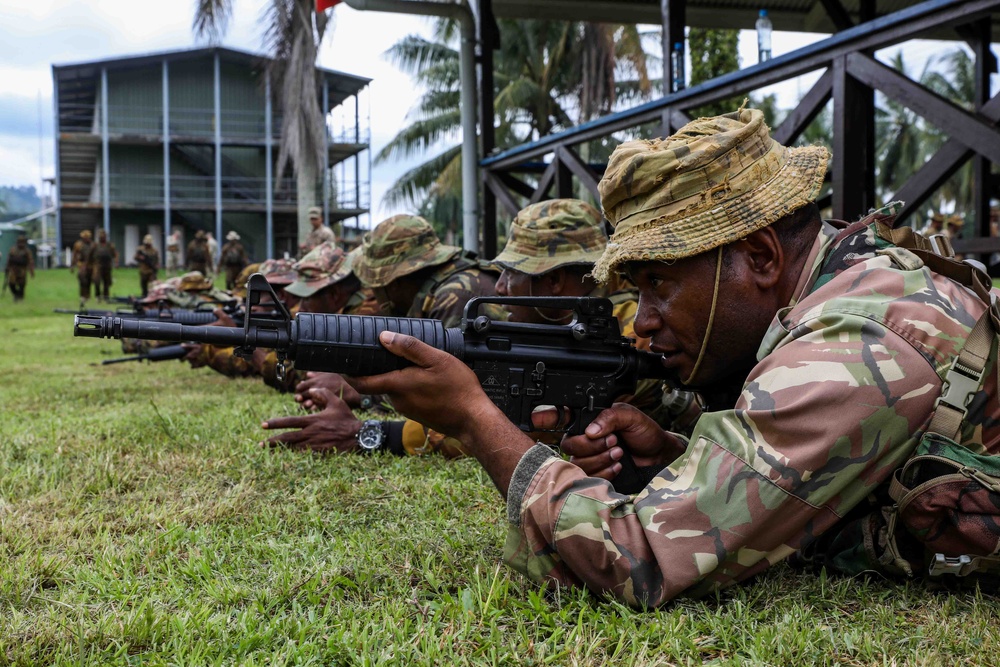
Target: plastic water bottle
[763, 37]
[677, 66]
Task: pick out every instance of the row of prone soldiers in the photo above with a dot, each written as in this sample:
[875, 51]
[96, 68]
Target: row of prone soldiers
[402, 269]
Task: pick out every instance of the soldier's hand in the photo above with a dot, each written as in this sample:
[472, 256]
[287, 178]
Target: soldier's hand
[622, 426]
[333, 382]
[332, 429]
[439, 391]
[224, 320]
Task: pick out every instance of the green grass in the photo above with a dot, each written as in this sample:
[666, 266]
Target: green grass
[140, 524]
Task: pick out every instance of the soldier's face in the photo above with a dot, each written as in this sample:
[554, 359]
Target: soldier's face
[675, 303]
[516, 283]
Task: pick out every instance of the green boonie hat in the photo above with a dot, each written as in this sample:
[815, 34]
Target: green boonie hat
[397, 247]
[322, 266]
[713, 182]
[194, 281]
[554, 233]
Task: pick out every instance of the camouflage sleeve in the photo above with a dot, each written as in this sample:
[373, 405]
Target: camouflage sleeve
[419, 440]
[447, 302]
[821, 422]
[225, 361]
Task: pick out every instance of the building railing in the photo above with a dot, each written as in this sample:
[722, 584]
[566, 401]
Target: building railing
[148, 190]
[850, 77]
[198, 123]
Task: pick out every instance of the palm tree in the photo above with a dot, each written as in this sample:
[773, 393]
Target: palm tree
[958, 84]
[549, 76]
[293, 33]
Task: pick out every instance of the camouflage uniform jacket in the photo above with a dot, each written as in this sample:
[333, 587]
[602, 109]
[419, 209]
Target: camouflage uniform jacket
[82, 251]
[419, 440]
[847, 377]
[444, 294]
[318, 236]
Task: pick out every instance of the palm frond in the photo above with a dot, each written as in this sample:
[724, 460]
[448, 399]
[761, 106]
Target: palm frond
[420, 136]
[211, 19]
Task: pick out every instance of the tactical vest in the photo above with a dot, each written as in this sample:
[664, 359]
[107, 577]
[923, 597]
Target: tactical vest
[103, 255]
[940, 514]
[463, 262]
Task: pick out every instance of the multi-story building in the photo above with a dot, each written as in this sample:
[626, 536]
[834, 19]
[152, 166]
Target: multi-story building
[187, 141]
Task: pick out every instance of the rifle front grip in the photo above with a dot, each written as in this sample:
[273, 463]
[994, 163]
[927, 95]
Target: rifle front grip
[349, 344]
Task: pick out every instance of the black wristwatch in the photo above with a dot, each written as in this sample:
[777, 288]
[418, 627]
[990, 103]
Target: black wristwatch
[372, 436]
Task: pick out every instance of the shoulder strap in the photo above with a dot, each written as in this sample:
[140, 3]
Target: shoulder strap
[965, 377]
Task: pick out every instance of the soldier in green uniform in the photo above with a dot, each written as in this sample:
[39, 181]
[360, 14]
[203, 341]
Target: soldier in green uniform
[148, 259]
[413, 274]
[104, 258]
[20, 263]
[82, 263]
[233, 258]
[319, 233]
[836, 339]
[197, 255]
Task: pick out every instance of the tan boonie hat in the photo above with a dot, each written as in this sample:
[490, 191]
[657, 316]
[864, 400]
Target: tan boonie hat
[554, 233]
[240, 282]
[148, 239]
[194, 281]
[315, 212]
[322, 266]
[233, 236]
[715, 181]
[86, 234]
[399, 246]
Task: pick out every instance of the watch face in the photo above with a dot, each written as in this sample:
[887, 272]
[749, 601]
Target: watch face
[370, 436]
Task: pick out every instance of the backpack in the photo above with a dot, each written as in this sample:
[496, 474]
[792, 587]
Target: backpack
[232, 256]
[945, 499]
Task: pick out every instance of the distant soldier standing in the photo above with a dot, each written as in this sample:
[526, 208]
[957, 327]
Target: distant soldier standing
[174, 252]
[197, 254]
[19, 263]
[320, 233]
[105, 258]
[213, 250]
[83, 250]
[148, 260]
[234, 258]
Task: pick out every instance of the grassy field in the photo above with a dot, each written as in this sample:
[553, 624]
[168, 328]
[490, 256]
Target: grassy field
[141, 524]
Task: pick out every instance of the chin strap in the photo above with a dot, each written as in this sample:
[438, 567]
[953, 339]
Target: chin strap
[711, 318]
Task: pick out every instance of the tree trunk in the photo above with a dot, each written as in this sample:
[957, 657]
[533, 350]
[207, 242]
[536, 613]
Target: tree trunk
[305, 189]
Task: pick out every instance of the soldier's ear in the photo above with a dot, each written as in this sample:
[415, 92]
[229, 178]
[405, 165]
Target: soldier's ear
[554, 281]
[764, 257]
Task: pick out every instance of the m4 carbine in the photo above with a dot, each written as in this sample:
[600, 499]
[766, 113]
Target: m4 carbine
[583, 366]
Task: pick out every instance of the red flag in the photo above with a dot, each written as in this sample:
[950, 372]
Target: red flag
[326, 4]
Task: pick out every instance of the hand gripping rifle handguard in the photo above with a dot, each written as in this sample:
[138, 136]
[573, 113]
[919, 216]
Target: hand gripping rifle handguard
[583, 366]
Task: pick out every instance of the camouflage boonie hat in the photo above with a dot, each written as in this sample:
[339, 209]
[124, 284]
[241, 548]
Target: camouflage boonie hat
[713, 182]
[278, 271]
[554, 233]
[240, 282]
[322, 266]
[397, 247]
[160, 290]
[86, 234]
[194, 281]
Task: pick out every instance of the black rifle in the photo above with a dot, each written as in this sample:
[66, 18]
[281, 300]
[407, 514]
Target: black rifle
[175, 316]
[584, 365]
[165, 353]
